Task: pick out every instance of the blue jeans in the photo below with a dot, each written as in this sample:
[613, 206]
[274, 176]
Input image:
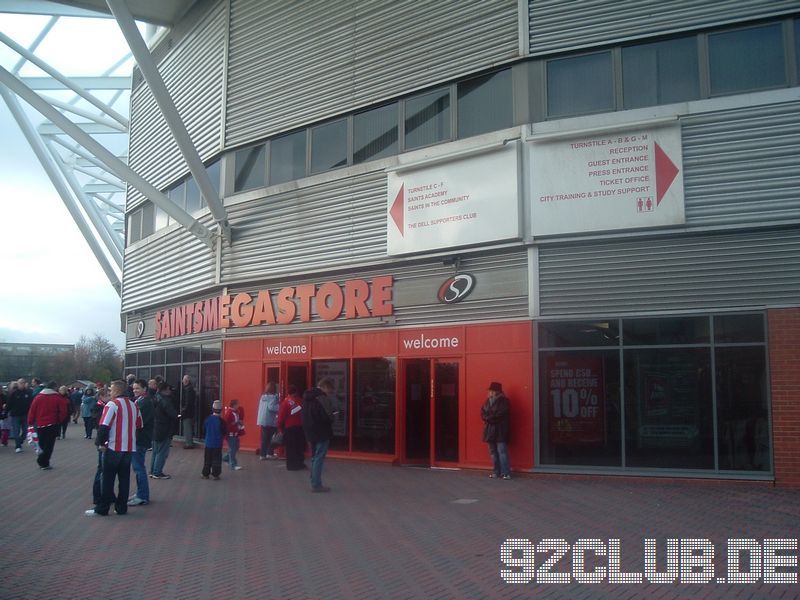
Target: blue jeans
[319, 450]
[233, 448]
[160, 454]
[137, 461]
[19, 429]
[499, 454]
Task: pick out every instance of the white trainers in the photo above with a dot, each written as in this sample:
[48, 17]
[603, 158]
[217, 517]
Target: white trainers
[237, 468]
[18, 450]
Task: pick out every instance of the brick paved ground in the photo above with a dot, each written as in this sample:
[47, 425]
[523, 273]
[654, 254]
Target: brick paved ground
[384, 532]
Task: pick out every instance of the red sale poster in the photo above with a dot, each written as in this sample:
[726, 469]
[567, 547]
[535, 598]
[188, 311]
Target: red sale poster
[575, 399]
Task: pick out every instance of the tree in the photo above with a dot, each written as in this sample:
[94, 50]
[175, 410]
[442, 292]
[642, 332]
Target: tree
[97, 359]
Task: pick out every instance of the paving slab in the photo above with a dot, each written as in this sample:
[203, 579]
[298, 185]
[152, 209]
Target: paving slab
[382, 532]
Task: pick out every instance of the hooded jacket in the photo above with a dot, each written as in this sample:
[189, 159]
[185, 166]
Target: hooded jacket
[48, 408]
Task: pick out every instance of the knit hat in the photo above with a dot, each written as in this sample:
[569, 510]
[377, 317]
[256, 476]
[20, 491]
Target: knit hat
[495, 387]
[216, 406]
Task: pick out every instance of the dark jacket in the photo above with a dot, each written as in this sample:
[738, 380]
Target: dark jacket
[164, 417]
[496, 420]
[188, 401]
[144, 436]
[19, 403]
[317, 422]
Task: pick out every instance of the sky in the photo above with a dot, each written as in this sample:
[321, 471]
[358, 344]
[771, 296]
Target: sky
[53, 288]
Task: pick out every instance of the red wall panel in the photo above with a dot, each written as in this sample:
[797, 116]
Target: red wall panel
[331, 346]
[243, 380]
[242, 350]
[514, 371]
[506, 337]
[375, 344]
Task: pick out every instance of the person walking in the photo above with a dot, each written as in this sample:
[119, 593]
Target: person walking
[266, 419]
[116, 441]
[144, 438]
[63, 391]
[19, 403]
[318, 427]
[496, 425]
[164, 417]
[48, 410]
[88, 400]
[186, 416]
[290, 423]
[215, 429]
[235, 428]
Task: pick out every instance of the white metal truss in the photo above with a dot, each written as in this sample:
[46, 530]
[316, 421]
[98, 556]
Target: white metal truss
[83, 140]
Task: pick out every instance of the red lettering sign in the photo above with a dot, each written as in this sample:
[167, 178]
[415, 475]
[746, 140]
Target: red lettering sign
[327, 301]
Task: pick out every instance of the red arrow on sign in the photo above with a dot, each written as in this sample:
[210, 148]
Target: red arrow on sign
[398, 208]
[665, 173]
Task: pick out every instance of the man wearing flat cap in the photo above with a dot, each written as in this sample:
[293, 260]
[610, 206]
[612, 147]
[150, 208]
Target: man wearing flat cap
[496, 425]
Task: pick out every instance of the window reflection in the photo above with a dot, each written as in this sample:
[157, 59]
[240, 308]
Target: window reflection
[485, 104]
[373, 405]
[375, 133]
[427, 119]
[746, 59]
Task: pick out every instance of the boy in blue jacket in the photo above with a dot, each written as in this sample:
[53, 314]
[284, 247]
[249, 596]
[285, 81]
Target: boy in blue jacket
[215, 430]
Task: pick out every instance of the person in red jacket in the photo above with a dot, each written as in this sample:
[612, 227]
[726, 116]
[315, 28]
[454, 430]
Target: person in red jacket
[47, 412]
[290, 422]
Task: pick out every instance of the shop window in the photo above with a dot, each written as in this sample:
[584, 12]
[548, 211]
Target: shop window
[209, 390]
[329, 146]
[579, 408]
[374, 405]
[143, 373]
[730, 329]
[742, 413]
[193, 201]
[746, 59]
[172, 375]
[211, 352]
[130, 360]
[143, 358]
[338, 371]
[668, 408]
[287, 157]
[191, 354]
[602, 332]
[375, 133]
[157, 357]
[485, 104]
[665, 331]
[173, 355]
[427, 119]
[250, 168]
[660, 73]
[580, 85]
[135, 226]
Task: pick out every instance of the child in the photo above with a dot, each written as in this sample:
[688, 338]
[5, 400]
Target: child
[215, 430]
[235, 428]
[5, 424]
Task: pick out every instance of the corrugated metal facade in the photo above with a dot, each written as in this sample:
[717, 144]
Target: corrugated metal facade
[193, 73]
[557, 25]
[742, 166]
[292, 63]
[166, 267]
[328, 226]
[671, 273]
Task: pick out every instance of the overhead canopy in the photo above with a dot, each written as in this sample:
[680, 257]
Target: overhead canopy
[158, 12]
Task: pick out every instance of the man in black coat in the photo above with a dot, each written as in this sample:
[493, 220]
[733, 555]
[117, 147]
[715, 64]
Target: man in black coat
[19, 403]
[496, 426]
[186, 416]
[318, 427]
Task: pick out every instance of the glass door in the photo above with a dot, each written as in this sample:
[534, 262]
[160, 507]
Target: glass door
[417, 391]
[445, 409]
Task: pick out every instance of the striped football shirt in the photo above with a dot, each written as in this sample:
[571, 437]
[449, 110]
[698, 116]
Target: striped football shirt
[122, 417]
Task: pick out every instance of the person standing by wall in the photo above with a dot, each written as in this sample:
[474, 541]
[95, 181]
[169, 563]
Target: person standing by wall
[48, 410]
[88, 400]
[290, 422]
[186, 416]
[318, 427]
[116, 441]
[164, 417]
[268, 407]
[144, 438]
[495, 413]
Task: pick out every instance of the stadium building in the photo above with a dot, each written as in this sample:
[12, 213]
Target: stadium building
[595, 203]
